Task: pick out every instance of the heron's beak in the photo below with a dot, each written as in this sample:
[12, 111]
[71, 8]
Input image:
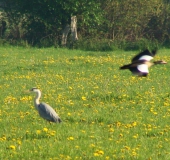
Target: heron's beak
[27, 91]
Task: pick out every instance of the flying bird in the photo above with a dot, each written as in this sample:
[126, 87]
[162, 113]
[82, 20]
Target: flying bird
[44, 110]
[141, 63]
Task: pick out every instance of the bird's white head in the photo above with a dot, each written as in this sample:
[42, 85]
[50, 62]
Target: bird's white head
[38, 95]
[160, 62]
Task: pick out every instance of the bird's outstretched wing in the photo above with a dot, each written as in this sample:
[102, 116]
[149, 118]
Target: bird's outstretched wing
[143, 68]
[145, 55]
[48, 113]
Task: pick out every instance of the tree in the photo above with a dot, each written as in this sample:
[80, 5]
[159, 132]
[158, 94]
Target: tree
[44, 18]
[132, 20]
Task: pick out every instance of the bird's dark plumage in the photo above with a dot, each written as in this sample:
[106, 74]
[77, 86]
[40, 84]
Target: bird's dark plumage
[146, 53]
[141, 63]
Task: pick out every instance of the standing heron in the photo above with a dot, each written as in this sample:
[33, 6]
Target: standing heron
[44, 110]
[141, 63]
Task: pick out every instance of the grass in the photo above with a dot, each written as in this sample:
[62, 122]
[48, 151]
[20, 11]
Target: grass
[106, 113]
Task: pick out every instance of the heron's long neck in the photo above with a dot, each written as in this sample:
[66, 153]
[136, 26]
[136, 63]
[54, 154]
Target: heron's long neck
[37, 98]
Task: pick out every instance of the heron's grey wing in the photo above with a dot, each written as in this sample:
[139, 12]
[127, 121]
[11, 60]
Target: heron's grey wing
[48, 113]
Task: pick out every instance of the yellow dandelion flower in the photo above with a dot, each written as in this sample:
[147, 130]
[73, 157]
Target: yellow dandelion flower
[38, 131]
[96, 87]
[70, 88]
[52, 134]
[4, 138]
[127, 147]
[45, 129]
[118, 124]
[120, 135]
[83, 131]
[27, 131]
[19, 142]
[101, 152]
[161, 133]
[92, 92]
[134, 124]
[70, 138]
[135, 136]
[77, 147]
[83, 98]
[166, 104]
[12, 147]
[111, 130]
[149, 125]
[96, 154]
[69, 114]
[134, 153]
[92, 145]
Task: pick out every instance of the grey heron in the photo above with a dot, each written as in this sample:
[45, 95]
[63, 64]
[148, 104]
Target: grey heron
[141, 63]
[44, 110]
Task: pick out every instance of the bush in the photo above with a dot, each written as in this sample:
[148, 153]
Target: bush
[95, 44]
[139, 45]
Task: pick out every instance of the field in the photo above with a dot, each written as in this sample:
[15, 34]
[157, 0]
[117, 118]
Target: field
[106, 113]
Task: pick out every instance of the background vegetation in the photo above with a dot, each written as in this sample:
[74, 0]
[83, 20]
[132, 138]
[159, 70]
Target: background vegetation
[102, 25]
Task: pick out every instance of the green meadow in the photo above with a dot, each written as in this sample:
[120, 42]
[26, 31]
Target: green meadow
[106, 113]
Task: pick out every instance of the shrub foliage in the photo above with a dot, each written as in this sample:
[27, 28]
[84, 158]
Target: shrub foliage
[41, 22]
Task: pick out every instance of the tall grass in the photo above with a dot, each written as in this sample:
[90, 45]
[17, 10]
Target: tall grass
[106, 113]
[98, 44]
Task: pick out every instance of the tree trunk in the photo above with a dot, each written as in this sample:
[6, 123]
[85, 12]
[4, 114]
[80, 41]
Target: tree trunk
[66, 31]
[65, 34]
[74, 36]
